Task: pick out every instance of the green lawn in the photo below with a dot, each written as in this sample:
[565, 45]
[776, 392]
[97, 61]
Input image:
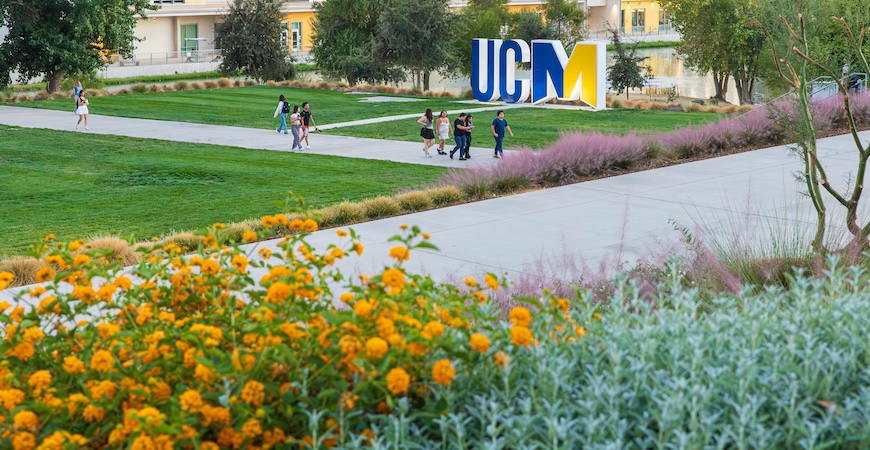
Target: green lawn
[76, 185]
[250, 107]
[534, 127]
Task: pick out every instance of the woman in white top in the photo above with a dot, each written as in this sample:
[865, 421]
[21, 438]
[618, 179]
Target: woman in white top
[443, 124]
[296, 127]
[427, 133]
[282, 110]
[82, 110]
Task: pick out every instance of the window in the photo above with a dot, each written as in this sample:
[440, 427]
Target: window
[664, 20]
[638, 20]
[622, 20]
[296, 36]
[189, 38]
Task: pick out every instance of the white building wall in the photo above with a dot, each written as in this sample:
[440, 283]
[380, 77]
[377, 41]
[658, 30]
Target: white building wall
[159, 34]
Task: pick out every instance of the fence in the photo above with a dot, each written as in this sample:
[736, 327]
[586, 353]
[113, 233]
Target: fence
[162, 58]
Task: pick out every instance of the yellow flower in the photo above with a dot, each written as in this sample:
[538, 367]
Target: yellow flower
[502, 359]
[252, 428]
[363, 308]
[310, 225]
[107, 330]
[479, 343]
[278, 292]
[358, 248]
[143, 442]
[398, 381]
[346, 297]
[341, 233]
[253, 393]
[74, 246]
[6, 279]
[522, 336]
[580, 331]
[249, 236]
[81, 260]
[33, 335]
[470, 281]
[4, 305]
[491, 282]
[102, 389]
[443, 372]
[210, 267]
[350, 346]
[39, 380]
[10, 398]
[394, 279]
[122, 282]
[376, 347]
[202, 373]
[401, 253]
[22, 351]
[386, 327]
[480, 296]
[347, 400]
[25, 420]
[101, 361]
[520, 316]
[240, 262]
[432, 329]
[72, 364]
[269, 221]
[23, 441]
[150, 415]
[190, 400]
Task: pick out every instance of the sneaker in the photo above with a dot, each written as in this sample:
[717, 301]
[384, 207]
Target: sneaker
[451, 155]
[495, 156]
[278, 130]
[461, 159]
[286, 132]
[77, 128]
[87, 129]
[428, 155]
[307, 147]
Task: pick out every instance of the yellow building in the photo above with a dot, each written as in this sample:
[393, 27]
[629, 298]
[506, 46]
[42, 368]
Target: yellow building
[186, 28]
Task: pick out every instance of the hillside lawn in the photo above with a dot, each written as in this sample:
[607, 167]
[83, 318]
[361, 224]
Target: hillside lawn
[253, 107]
[78, 185]
[537, 127]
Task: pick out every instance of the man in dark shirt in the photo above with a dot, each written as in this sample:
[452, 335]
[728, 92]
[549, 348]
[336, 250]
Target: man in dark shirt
[307, 122]
[499, 125]
[459, 134]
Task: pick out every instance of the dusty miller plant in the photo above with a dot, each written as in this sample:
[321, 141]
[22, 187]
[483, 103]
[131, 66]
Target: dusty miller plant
[801, 123]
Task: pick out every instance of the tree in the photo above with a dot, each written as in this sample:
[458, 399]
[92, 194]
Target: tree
[719, 37]
[566, 20]
[529, 25]
[250, 40]
[628, 70]
[51, 38]
[344, 41]
[483, 19]
[415, 35]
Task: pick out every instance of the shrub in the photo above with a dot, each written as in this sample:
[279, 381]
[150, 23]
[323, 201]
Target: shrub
[139, 88]
[656, 106]
[23, 268]
[182, 86]
[729, 109]
[616, 103]
[296, 84]
[742, 109]
[378, 207]
[251, 82]
[225, 82]
[414, 201]
[694, 107]
[168, 88]
[210, 84]
[42, 96]
[115, 249]
[185, 240]
[271, 83]
[323, 85]
[239, 83]
[467, 93]
[342, 214]
[386, 89]
[445, 195]
[155, 88]
[197, 86]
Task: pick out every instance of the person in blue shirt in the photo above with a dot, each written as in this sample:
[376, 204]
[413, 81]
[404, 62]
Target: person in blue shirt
[499, 125]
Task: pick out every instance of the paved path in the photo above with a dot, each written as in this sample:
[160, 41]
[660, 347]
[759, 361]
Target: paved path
[398, 151]
[750, 196]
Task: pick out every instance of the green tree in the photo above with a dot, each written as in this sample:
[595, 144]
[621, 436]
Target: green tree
[344, 41]
[628, 70]
[415, 35]
[529, 25]
[250, 41]
[483, 19]
[566, 20]
[51, 38]
[719, 37]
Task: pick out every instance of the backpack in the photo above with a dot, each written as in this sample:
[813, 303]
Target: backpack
[286, 108]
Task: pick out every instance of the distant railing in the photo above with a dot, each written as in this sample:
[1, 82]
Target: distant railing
[605, 34]
[162, 58]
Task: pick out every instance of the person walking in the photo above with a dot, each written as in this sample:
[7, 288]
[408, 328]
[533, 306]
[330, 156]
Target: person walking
[427, 132]
[77, 89]
[469, 127]
[459, 134]
[282, 110]
[499, 125]
[296, 126]
[443, 125]
[82, 110]
[307, 123]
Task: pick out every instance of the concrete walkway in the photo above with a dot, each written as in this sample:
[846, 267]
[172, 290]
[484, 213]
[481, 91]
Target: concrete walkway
[750, 197]
[321, 144]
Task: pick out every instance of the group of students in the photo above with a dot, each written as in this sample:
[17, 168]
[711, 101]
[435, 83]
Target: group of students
[81, 108]
[461, 130]
[300, 121]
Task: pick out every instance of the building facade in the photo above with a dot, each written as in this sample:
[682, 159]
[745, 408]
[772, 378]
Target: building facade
[186, 28]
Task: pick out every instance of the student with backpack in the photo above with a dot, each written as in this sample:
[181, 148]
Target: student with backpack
[282, 110]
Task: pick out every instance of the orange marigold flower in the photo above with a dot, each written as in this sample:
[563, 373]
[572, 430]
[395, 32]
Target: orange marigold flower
[470, 281]
[22, 351]
[480, 296]
[45, 274]
[240, 262]
[4, 305]
[253, 393]
[76, 245]
[190, 400]
[203, 373]
[6, 279]
[502, 359]
[376, 347]
[161, 391]
[281, 219]
[443, 372]
[350, 346]
[347, 400]
[107, 330]
[522, 336]
[150, 415]
[39, 380]
[32, 335]
[252, 428]
[23, 441]
[400, 253]
[269, 221]
[520, 316]
[310, 225]
[230, 438]
[398, 381]
[491, 282]
[358, 247]
[580, 331]
[101, 361]
[143, 442]
[85, 294]
[363, 308]
[122, 282]
[278, 292]
[432, 329]
[249, 236]
[479, 343]
[105, 388]
[341, 233]
[81, 260]
[386, 327]
[394, 279]
[25, 420]
[72, 364]
[346, 297]
[210, 267]
[10, 398]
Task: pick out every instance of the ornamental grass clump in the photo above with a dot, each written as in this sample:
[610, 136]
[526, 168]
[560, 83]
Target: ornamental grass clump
[342, 214]
[414, 201]
[378, 207]
[24, 268]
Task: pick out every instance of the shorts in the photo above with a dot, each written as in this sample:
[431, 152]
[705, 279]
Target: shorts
[305, 130]
[427, 133]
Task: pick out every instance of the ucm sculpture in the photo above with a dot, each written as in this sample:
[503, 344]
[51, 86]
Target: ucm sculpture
[553, 73]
